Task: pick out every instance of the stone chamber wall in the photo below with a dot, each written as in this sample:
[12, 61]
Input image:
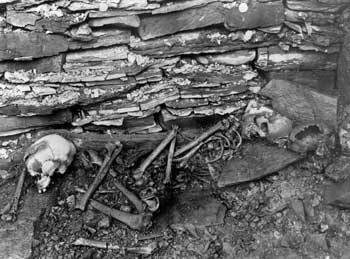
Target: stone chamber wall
[138, 66]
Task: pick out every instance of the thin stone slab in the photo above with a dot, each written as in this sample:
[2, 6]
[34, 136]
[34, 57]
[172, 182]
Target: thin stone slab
[320, 80]
[179, 6]
[334, 1]
[316, 6]
[229, 58]
[28, 45]
[22, 4]
[14, 123]
[258, 15]
[258, 160]
[21, 19]
[343, 71]
[7, 1]
[16, 238]
[35, 22]
[41, 65]
[275, 59]
[165, 24]
[103, 38]
[311, 17]
[203, 41]
[300, 103]
[124, 21]
[106, 54]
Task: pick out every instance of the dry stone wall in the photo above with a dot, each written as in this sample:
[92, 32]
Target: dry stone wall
[138, 65]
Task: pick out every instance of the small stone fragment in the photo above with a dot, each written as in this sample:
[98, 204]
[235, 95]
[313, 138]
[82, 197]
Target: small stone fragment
[298, 207]
[318, 239]
[192, 210]
[90, 217]
[71, 201]
[338, 194]
[21, 19]
[4, 174]
[323, 227]
[339, 170]
[309, 209]
[105, 222]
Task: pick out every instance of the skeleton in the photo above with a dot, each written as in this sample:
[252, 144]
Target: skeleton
[53, 153]
[47, 155]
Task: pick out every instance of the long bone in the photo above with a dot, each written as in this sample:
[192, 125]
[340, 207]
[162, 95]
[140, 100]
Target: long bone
[9, 213]
[139, 221]
[113, 151]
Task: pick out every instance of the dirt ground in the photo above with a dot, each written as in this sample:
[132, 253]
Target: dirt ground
[283, 215]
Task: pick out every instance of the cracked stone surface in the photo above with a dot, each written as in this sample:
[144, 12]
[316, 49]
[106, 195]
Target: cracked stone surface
[16, 238]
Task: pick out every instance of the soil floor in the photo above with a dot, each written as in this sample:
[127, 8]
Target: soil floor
[283, 215]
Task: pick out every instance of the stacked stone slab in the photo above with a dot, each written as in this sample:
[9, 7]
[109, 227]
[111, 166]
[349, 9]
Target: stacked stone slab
[136, 65]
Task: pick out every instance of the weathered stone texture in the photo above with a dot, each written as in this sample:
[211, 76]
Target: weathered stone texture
[24, 45]
[258, 160]
[258, 15]
[113, 62]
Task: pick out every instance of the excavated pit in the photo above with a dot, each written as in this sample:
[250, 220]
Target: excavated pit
[102, 72]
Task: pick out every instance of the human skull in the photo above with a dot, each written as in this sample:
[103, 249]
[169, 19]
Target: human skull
[47, 155]
[263, 121]
[277, 126]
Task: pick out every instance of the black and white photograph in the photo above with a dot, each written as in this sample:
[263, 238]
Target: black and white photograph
[175, 129]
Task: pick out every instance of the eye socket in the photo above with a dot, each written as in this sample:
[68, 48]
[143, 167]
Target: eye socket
[37, 166]
[37, 177]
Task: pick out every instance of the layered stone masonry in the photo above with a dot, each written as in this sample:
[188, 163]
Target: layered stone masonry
[118, 63]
